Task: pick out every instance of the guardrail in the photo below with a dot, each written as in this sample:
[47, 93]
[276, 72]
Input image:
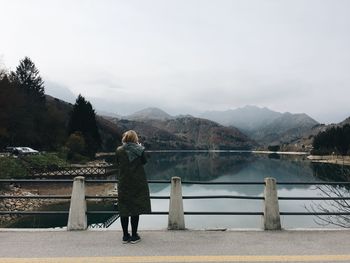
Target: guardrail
[86, 171]
[77, 214]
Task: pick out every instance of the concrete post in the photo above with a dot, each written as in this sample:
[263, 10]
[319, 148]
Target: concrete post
[272, 219]
[77, 219]
[176, 219]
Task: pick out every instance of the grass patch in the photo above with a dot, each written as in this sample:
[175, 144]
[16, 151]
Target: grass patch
[13, 167]
[45, 161]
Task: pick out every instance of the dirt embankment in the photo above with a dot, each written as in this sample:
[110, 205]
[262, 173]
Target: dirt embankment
[334, 159]
[9, 204]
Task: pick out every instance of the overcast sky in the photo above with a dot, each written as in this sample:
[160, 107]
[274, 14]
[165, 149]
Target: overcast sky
[187, 56]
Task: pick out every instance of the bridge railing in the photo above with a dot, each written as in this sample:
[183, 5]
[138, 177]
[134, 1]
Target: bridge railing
[78, 213]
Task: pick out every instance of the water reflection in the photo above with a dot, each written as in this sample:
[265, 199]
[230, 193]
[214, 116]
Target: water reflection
[216, 167]
[228, 166]
[60, 220]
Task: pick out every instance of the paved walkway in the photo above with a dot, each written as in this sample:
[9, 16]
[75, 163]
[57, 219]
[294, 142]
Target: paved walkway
[175, 246]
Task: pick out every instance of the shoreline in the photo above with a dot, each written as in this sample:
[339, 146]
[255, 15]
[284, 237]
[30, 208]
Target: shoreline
[38, 204]
[226, 151]
[331, 159]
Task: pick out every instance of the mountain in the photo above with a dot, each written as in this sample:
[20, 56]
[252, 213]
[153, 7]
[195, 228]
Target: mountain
[109, 114]
[264, 125]
[109, 132]
[248, 118]
[59, 91]
[186, 133]
[306, 139]
[346, 121]
[284, 129]
[206, 134]
[152, 137]
[149, 114]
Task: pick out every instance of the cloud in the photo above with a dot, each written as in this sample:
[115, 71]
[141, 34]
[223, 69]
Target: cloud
[188, 56]
[59, 91]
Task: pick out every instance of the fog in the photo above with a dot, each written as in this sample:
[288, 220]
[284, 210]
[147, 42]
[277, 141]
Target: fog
[187, 56]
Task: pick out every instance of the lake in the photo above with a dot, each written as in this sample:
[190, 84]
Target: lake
[230, 166]
[233, 166]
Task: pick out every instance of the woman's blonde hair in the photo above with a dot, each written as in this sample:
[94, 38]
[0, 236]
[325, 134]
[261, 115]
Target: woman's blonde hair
[130, 136]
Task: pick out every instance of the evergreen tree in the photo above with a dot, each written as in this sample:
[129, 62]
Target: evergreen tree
[14, 120]
[83, 119]
[27, 77]
[335, 139]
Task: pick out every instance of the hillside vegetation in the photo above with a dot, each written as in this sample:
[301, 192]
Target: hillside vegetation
[30, 118]
[186, 133]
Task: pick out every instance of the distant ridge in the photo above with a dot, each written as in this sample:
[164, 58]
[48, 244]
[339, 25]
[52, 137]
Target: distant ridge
[284, 129]
[346, 121]
[264, 125]
[186, 133]
[246, 118]
[305, 141]
[254, 126]
[151, 113]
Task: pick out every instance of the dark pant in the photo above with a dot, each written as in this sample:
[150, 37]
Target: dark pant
[124, 220]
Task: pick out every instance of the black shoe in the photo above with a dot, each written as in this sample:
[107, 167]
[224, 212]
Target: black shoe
[126, 239]
[135, 239]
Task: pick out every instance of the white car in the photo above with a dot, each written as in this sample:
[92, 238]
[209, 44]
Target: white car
[24, 151]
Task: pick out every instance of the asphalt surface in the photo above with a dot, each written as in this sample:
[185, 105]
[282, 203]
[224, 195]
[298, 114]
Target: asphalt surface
[157, 246]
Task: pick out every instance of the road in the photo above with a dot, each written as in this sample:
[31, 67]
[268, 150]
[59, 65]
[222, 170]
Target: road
[175, 246]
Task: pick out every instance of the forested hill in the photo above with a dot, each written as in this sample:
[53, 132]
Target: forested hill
[186, 133]
[109, 132]
[28, 117]
[264, 125]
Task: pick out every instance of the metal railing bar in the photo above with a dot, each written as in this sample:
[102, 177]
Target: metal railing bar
[313, 183]
[313, 213]
[159, 181]
[101, 212]
[33, 212]
[101, 197]
[36, 180]
[212, 197]
[223, 183]
[152, 197]
[184, 182]
[168, 197]
[166, 181]
[35, 197]
[186, 213]
[224, 197]
[116, 181]
[313, 198]
[99, 181]
[117, 212]
[224, 213]
[160, 197]
[166, 213]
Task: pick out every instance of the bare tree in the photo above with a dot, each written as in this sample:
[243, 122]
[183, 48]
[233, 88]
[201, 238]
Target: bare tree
[341, 173]
[332, 206]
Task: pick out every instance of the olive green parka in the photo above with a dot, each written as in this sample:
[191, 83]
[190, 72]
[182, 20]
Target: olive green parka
[133, 191]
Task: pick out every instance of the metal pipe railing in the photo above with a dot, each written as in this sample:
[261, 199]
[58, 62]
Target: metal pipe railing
[168, 197]
[35, 197]
[168, 181]
[98, 181]
[313, 198]
[33, 212]
[314, 213]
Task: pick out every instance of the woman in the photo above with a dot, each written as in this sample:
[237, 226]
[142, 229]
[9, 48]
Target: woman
[133, 192]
